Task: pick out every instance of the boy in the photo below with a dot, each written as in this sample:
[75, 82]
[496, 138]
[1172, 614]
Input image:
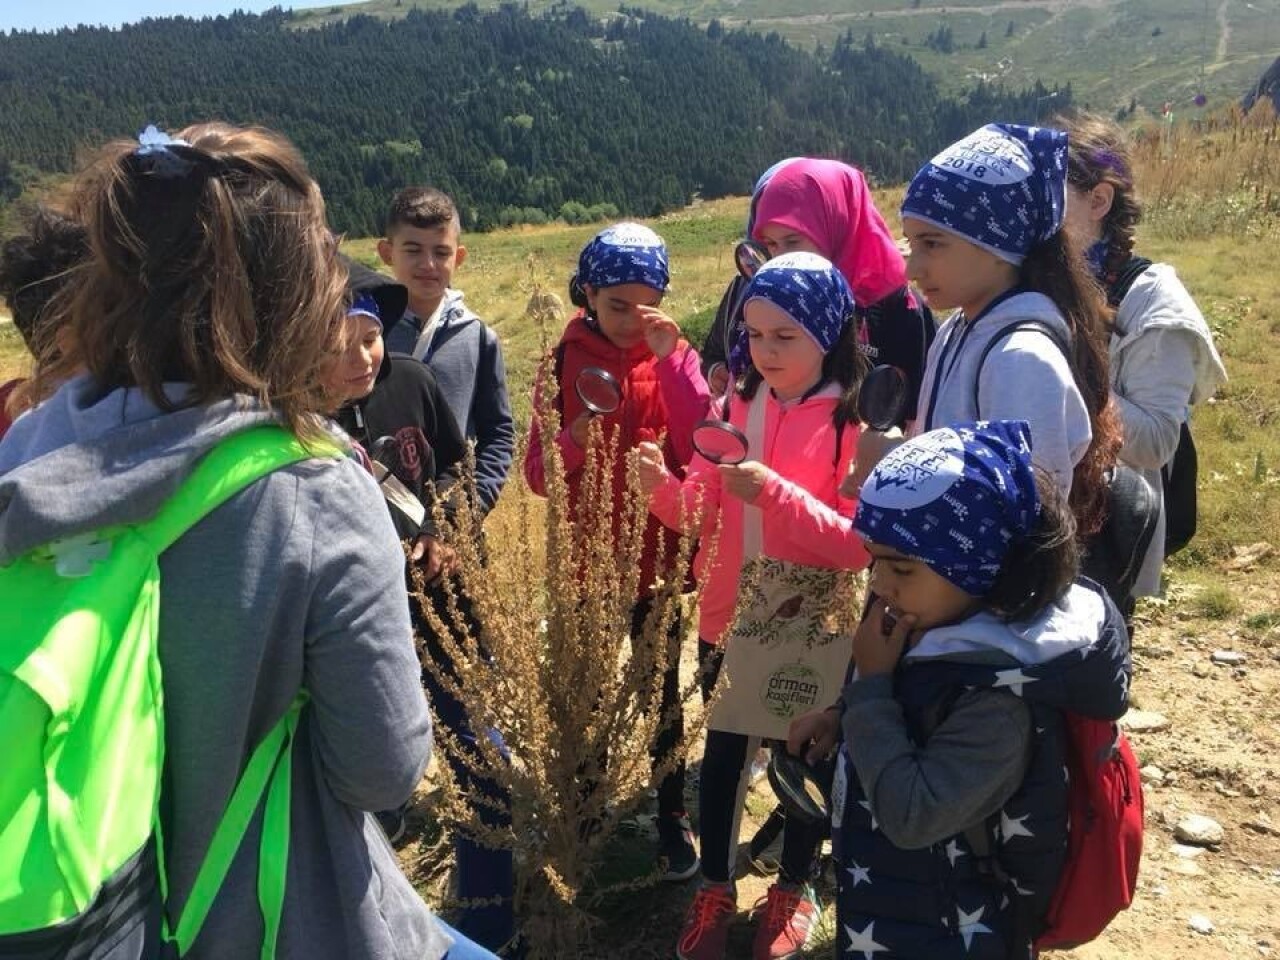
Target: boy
[422, 249]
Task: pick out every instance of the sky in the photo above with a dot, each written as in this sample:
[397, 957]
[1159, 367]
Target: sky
[52, 14]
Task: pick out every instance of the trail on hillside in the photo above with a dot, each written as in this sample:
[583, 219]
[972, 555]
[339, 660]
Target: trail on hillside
[1224, 33]
[1056, 7]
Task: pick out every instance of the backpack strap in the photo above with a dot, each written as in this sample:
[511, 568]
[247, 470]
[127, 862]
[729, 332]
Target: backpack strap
[1118, 285]
[270, 770]
[224, 471]
[1006, 331]
[228, 468]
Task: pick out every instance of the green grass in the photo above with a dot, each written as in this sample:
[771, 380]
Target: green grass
[14, 358]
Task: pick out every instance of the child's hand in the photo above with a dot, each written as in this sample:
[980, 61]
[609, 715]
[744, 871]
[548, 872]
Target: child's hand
[661, 333]
[744, 480]
[436, 559]
[578, 429]
[652, 467]
[718, 379]
[873, 445]
[875, 651]
[813, 735]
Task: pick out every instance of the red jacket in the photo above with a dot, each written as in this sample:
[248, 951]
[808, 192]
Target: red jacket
[5, 391]
[667, 396]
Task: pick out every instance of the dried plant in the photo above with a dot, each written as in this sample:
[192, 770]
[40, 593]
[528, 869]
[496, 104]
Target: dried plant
[1216, 176]
[551, 667]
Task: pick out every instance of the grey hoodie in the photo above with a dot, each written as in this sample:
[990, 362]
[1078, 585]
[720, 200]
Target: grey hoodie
[295, 582]
[1025, 377]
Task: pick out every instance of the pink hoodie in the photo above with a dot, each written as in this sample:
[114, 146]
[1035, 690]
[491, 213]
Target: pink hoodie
[830, 203]
[805, 520]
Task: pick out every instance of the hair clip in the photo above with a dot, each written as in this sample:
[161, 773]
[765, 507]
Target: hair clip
[156, 146]
[1111, 161]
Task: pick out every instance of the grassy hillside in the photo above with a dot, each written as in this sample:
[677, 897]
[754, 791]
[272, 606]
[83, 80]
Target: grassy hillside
[1150, 50]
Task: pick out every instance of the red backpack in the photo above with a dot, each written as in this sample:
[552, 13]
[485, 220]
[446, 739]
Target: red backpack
[1104, 836]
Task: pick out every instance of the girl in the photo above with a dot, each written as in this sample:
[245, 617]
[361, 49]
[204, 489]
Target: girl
[799, 353]
[955, 747]
[984, 222]
[826, 207]
[621, 278]
[209, 304]
[1162, 355]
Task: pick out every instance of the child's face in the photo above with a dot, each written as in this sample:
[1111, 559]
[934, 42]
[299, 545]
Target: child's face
[353, 372]
[615, 309]
[424, 260]
[786, 356]
[951, 272]
[909, 586]
[779, 239]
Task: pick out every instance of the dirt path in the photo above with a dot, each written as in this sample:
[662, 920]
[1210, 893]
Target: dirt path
[1224, 33]
[1057, 7]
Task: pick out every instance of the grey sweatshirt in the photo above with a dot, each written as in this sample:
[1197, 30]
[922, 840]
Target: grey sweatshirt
[1162, 362]
[1025, 377]
[295, 582]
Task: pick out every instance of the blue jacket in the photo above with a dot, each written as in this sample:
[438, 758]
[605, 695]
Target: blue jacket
[466, 358]
[910, 879]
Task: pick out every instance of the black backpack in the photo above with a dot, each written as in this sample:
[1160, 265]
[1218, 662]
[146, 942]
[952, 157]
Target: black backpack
[1113, 556]
[1178, 475]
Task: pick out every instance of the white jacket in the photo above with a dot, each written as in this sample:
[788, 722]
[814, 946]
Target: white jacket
[1162, 362]
[1025, 377]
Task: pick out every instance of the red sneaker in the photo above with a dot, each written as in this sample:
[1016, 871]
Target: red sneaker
[706, 925]
[787, 917]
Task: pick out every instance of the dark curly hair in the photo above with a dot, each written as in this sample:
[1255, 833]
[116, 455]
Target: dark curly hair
[1098, 152]
[35, 267]
[1039, 568]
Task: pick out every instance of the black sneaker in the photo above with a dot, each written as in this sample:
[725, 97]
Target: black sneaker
[677, 857]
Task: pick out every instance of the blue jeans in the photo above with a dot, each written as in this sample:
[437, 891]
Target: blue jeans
[464, 949]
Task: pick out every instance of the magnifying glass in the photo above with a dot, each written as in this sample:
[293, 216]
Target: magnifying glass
[598, 390]
[798, 786]
[882, 398]
[719, 441]
[383, 454]
[750, 257]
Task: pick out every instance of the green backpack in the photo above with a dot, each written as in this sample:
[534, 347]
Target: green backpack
[82, 721]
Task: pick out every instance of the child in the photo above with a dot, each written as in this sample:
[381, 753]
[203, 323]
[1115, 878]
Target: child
[621, 278]
[799, 353]
[1162, 354]
[385, 395]
[955, 747]
[210, 303]
[34, 268]
[984, 222]
[826, 207]
[423, 249]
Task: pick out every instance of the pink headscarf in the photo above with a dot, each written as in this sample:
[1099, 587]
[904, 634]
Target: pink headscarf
[829, 202]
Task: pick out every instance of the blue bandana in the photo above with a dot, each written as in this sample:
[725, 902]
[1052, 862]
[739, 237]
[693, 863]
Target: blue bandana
[363, 304]
[810, 290]
[1096, 257]
[1002, 188]
[954, 499]
[625, 253]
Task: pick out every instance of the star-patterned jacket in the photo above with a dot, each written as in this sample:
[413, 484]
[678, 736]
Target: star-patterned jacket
[964, 748]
